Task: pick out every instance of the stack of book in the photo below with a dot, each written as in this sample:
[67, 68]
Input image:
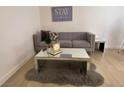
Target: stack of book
[52, 52]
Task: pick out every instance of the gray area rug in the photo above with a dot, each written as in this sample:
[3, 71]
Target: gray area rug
[63, 73]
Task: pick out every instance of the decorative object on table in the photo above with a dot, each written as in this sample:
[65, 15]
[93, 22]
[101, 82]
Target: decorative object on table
[66, 55]
[52, 52]
[63, 13]
[55, 45]
[44, 49]
[53, 36]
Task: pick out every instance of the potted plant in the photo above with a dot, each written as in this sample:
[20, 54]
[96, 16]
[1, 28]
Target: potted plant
[55, 45]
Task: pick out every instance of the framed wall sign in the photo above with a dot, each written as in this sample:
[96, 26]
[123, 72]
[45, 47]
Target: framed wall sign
[61, 13]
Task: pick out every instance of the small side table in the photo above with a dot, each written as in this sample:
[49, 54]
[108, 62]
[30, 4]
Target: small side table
[101, 44]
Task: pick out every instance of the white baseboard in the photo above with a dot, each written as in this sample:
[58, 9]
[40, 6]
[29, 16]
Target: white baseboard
[14, 69]
[113, 46]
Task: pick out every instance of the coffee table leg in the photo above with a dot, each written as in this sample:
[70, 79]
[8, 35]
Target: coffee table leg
[83, 68]
[36, 65]
[41, 64]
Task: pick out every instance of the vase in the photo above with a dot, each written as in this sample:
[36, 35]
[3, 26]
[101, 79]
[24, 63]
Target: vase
[55, 46]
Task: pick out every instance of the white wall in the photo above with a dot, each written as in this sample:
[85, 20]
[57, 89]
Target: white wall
[105, 22]
[17, 24]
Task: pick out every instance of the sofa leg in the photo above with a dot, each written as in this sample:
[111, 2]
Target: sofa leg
[90, 53]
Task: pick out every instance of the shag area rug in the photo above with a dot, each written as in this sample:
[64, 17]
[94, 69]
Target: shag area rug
[63, 73]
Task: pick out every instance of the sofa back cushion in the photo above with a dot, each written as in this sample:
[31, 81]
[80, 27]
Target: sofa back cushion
[45, 36]
[72, 35]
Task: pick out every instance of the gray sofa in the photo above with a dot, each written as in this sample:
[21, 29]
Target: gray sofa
[69, 40]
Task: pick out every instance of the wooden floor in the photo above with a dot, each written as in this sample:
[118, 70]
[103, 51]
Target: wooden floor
[109, 64]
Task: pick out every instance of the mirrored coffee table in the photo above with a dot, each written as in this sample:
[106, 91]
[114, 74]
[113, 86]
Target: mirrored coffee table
[67, 54]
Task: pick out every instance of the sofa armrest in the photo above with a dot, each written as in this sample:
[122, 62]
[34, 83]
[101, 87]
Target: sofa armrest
[91, 39]
[36, 40]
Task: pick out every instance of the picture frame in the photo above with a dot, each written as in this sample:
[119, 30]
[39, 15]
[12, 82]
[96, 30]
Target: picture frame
[63, 13]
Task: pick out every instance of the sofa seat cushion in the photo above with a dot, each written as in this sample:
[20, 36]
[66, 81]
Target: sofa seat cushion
[80, 44]
[43, 44]
[65, 43]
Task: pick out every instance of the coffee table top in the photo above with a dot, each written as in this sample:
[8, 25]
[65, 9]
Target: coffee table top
[67, 54]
